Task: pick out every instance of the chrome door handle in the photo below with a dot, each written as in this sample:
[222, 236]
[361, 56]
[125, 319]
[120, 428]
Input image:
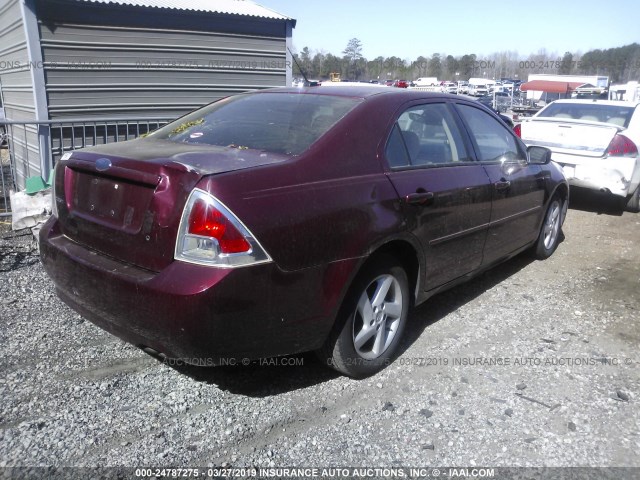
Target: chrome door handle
[421, 198]
[502, 185]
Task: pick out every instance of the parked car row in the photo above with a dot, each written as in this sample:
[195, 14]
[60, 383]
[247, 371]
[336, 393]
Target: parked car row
[475, 87]
[460, 87]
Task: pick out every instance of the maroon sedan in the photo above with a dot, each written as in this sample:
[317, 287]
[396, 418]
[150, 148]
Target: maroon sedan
[291, 220]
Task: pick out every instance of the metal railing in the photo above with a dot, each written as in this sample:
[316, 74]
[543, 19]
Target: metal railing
[30, 148]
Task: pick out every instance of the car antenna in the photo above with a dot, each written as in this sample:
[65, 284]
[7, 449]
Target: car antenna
[307, 83]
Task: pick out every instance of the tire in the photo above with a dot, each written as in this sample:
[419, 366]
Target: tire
[633, 204]
[551, 229]
[380, 297]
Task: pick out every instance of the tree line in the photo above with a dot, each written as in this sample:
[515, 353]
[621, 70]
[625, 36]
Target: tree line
[620, 64]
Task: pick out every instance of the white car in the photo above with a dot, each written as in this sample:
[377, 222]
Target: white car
[596, 143]
[449, 87]
[426, 82]
[478, 90]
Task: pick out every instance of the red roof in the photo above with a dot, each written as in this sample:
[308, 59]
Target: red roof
[550, 86]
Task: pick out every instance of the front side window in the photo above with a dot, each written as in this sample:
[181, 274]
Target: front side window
[286, 123]
[429, 135]
[493, 141]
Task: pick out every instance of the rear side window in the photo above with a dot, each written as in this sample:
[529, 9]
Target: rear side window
[273, 122]
[426, 135]
[590, 112]
[396, 152]
[492, 139]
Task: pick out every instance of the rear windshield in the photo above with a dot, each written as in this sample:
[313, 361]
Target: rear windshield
[274, 122]
[592, 112]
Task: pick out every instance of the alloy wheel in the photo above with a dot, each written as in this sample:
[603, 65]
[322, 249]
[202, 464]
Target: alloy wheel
[377, 317]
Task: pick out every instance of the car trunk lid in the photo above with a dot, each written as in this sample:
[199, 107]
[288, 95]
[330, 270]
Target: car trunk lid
[589, 139]
[125, 200]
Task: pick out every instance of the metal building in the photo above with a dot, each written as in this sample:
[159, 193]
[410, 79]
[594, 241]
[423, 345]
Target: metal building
[68, 67]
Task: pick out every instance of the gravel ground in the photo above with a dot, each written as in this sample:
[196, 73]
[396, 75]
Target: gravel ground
[532, 364]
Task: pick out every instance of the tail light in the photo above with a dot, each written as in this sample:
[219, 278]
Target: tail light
[621, 146]
[518, 130]
[210, 234]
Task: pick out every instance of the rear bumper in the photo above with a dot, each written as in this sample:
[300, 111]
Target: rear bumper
[200, 314]
[619, 176]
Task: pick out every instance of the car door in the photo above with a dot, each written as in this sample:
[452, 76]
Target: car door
[445, 194]
[518, 188]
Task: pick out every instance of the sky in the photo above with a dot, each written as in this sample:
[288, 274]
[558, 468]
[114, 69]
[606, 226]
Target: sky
[410, 28]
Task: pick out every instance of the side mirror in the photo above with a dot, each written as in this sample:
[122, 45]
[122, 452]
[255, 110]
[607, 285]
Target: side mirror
[539, 155]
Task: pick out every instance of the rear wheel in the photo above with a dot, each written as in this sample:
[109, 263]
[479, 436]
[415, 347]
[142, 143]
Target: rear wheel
[371, 321]
[551, 227]
[633, 204]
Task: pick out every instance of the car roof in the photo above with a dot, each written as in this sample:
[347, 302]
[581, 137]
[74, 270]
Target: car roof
[363, 90]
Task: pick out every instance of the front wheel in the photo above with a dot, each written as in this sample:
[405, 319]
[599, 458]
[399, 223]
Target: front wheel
[371, 321]
[549, 236]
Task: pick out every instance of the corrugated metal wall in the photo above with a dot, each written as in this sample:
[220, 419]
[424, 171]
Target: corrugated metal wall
[17, 89]
[14, 63]
[115, 61]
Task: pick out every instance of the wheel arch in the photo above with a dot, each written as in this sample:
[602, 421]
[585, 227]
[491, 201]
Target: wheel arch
[561, 189]
[401, 252]
[407, 255]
